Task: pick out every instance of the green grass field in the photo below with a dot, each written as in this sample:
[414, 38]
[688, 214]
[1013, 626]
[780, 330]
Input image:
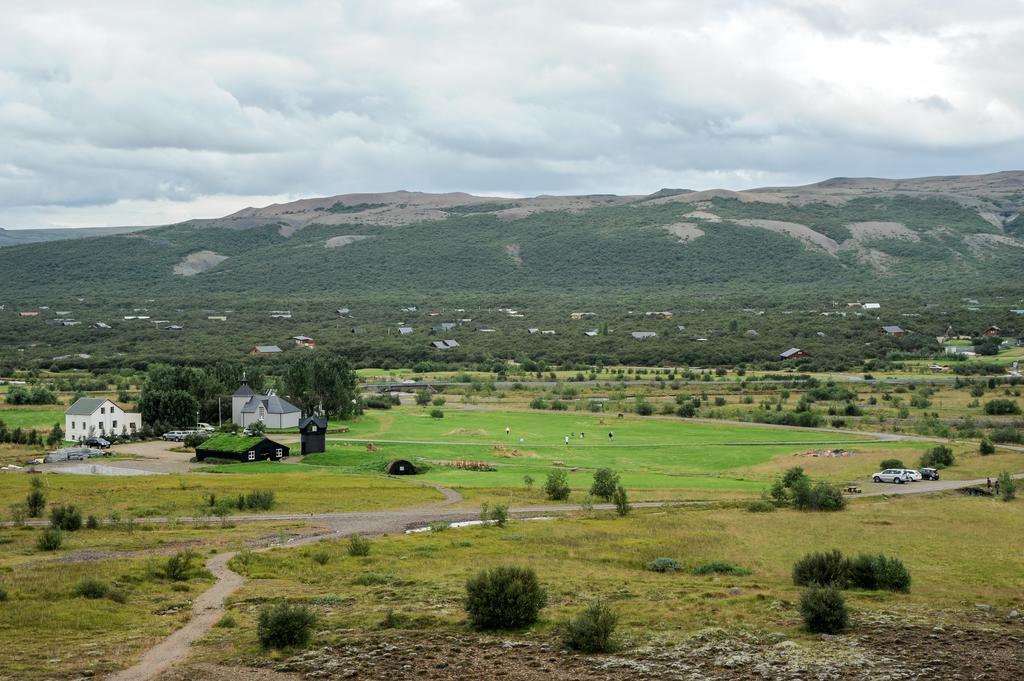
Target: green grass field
[40, 417]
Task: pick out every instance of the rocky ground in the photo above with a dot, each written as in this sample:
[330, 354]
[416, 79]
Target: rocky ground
[880, 649]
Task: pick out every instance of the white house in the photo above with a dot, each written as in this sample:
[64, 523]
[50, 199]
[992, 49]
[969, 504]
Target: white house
[98, 416]
[247, 407]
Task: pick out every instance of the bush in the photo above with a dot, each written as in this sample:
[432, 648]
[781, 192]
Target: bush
[1006, 435]
[879, 572]
[605, 482]
[664, 565]
[3, 594]
[227, 621]
[35, 502]
[436, 414]
[937, 457]
[506, 597]
[92, 523]
[193, 440]
[556, 486]
[257, 500]
[321, 558]
[823, 609]
[821, 496]
[1007, 487]
[760, 506]
[499, 514]
[284, 625]
[590, 631]
[50, 539]
[622, 505]
[358, 545]
[92, 588]
[986, 447]
[822, 569]
[1001, 406]
[891, 463]
[67, 518]
[719, 567]
[178, 567]
[438, 401]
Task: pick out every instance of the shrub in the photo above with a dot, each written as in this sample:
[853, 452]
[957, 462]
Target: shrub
[823, 609]
[821, 496]
[664, 565]
[257, 500]
[438, 401]
[35, 502]
[373, 579]
[1001, 406]
[891, 463]
[822, 569]
[67, 518]
[436, 414]
[760, 506]
[117, 595]
[178, 567]
[227, 621]
[879, 572]
[591, 630]
[499, 514]
[556, 486]
[193, 440]
[622, 505]
[1007, 487]
[284, 625]
[3, 594]
[92, 523]
[92, 588]
[720, 567]
[937, 457]
[986, 447]
[1006, 435]
[605, 482]
[50, 539]
[358, 545]
[321, 558]
[506, 597]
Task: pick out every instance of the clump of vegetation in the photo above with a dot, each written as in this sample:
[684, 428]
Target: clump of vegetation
[986, 447]
[358, 545]
[796, 489]
[822, 569]
[1007, 487]
[227, 621]
[436, 414]
[664, 565]
[937, 457]
[1000, 406]
[720, 567]
[879, 572]
[321, 557]
[50, 539]
[179, 567]
[92, 588]
[590, 631]
[622, 505]
[92, 523]
[67, 518]
[556, 486]
[823, 609]
[3, 594]
[284, 625]
[891, 463]
[394, 620]
[440, 525]
[760, 506]
[499, 515]
[257, 500]
[506, 597]
[605, 483]
[35, 502]
[373, 579]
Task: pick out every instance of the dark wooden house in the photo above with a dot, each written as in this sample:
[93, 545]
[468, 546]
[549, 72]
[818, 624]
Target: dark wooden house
[241, 448]
[313, 434]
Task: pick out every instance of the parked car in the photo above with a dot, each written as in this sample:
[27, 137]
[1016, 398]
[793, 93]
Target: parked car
[914, 475]
[175, 435]
[930, 473]
[896, 475]
[205, 427]
[97, 442]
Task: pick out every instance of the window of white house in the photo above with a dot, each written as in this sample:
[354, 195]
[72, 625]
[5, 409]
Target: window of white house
[103, 410]
[113, 424]
[132, 425]
[72, 425]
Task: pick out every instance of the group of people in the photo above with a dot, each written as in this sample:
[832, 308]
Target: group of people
[994, 487]
[611, 435]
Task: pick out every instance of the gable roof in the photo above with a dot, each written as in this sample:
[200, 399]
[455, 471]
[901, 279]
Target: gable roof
[86, 406]
[405, 330]
[226, 442]
[266, 349]
[271, 403]
[790, 352]
[244, 390]
[445, 344]
[319, 421]
[892, 329]
[643, 334]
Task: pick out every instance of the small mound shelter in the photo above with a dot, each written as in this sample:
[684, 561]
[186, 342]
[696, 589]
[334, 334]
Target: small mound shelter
[241, 448]
[401, 467]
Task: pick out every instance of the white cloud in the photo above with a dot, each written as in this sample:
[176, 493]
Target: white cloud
[115, 112]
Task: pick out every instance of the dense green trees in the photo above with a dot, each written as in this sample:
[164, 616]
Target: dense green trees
[318, 382]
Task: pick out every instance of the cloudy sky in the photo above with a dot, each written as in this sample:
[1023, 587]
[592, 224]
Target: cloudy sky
[118, 113]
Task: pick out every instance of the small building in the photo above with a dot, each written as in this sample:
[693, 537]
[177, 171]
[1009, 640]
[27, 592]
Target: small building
[174, 327]
[892, 331]
[313, 434]
[871, 306]
[241, 448]
[401, 467]
[344, 312]
[444, 344]
[359, 330]
[99, 325]
[405, 330]
[90, 416]
[643, 335]
[28, 313]
[591, 333]
[794, 353]
[576, 316]
[247, 407]
[304, 341]
[486, 330]
[659, 315]
[217, 318]
[533, 329]
[992, 331]
[548, 332]
[265, 350]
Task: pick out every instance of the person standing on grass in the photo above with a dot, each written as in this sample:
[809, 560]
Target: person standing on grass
[609, 436]
[582, 434]
[507, 430]
[566, 439]
[988, 483]
[997, 487]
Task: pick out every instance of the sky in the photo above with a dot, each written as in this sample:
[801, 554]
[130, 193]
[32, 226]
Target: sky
[130, 113]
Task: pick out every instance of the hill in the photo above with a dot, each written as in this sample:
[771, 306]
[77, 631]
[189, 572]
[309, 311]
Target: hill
[15, 237]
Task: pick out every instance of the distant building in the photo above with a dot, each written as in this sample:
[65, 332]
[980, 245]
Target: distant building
[533, 329]
[405, 330]
[240, 448]
[443, 326]
[659, 315]
[30, 313]
[642, 335]
[591, 333]
[304, 341]
[794, 353]
[265, 350]
[313, 434]
[247, 407]
[344, 312]
[90, 416]
[217, 318]
[892, 331]
[992, 331]
[871, 306]
[576, 316]
[99, 325]
[358, 330]
[444, 344]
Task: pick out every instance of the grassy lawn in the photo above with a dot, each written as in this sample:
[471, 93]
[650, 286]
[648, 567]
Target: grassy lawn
[957, 548]
[40, 417]
[296, 490]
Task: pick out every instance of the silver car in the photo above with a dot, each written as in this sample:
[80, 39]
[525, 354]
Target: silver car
[896, 475]
[914, 475]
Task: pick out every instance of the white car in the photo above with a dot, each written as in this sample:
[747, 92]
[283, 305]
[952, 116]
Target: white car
[914, 475]
[896, 475]
[205, 427]
[175, 435]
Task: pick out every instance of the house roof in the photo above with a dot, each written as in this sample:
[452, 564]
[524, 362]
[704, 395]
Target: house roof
[319, 421]
[790, 352]
[445, 344]
[86, 406]
[404, 330]
[643, 334]
[226, 442]
[301, 338]
[244, 390]
[892, 329]
[265, 349]
[272, 403]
